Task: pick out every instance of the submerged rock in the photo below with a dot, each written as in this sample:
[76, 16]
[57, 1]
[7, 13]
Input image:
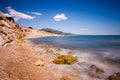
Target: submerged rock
[65, 59]
[58, 49]
[49, 50]
[115, 76]
[97, 69]
[118, 74]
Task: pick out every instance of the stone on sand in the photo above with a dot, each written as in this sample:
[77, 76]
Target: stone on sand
[39, 63]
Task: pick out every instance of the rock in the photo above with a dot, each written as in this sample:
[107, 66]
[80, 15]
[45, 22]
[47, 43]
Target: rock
[70, 52]
[6, 30]
[2, 41]
[58, 49]
[9, 31]
[9, 38]
[1, 29]
[97, 69]
[65, 59]
[115, 76]
[4, 23]
[75, 74]
[2, 35]
[118, 74]
[39, 63]
[94, 75]
[65, 78]
[57, 53]
[49, 50]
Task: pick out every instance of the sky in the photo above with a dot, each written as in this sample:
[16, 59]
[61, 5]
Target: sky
[85, 17]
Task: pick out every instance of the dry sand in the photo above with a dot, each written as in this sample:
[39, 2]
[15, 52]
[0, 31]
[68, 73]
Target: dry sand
[17, 62]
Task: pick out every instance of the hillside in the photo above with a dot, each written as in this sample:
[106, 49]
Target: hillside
[11, 32]
[55, 31]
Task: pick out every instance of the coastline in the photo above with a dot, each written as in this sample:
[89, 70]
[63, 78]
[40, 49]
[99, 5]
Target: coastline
[79, 70]
[21, 64]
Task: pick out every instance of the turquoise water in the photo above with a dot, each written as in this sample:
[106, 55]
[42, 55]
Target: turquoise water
[106, 47]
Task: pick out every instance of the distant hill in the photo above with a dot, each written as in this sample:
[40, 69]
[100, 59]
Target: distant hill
[55, 31]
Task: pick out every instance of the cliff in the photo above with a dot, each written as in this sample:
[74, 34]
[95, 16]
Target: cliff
[11, 32]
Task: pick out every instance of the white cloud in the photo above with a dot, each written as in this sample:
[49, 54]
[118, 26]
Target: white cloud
[36, 13]
[60, 17]
[6, 14]
[17, 15]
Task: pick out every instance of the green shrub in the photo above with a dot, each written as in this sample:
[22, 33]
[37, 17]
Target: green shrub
[30, 27]
[65, 59]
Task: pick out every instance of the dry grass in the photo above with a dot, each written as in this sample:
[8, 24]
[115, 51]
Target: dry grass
[20, 36]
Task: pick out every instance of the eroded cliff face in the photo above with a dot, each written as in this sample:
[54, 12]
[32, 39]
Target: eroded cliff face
[9, 31]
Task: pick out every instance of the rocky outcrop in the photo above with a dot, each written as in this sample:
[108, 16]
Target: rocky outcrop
[9, 31]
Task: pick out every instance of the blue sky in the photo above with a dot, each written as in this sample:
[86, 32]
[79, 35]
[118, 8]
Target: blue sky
[93, 17]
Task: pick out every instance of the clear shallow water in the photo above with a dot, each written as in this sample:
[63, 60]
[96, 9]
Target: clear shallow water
[104, 47]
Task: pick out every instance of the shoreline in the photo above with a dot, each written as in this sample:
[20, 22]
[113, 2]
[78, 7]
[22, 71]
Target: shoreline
[84, 63]
[34, 60]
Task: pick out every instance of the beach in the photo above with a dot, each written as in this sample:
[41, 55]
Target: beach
[22, 60]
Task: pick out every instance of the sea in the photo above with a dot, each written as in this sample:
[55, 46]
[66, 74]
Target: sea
[106, 47]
